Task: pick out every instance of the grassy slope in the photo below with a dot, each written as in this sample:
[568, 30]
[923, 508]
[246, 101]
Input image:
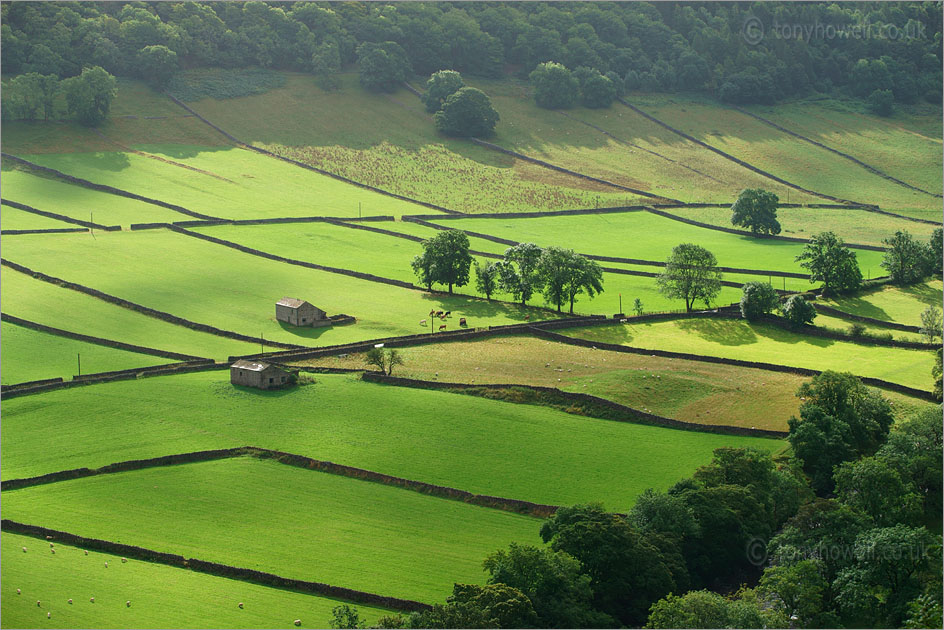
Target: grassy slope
[892, 304]
[25, 297]
[688, 390]
[621, 235]
[216, 285]
[30, 355]
[783, 155]
[309, 525]
[568, 142]
[853, 226]
[737, 339]
[82, 203]
[911, 152]
[483, 446]
[404, 155]
[199, 601]
[844, 325]
[13, 219]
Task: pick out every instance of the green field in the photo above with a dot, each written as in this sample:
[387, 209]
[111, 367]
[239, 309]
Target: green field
[30, 355]
[212, 284]
[14, 219]
[292, 522]
[853, 226]
[29, 298]
[693, 391]
[783, 155]
[892, 304]
[479, 445]
[647, 236]
[160, 596]
[737, 339]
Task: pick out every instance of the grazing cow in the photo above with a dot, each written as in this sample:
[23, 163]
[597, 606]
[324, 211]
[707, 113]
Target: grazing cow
[527, 318]
[439, 313]
[443, 327]
[448, 313]
[422, 322]
[462, 321]
[432, 312]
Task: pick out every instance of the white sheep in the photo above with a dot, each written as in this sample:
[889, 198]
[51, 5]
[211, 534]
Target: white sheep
[91, 600]
[70, 600]
[128, 603]
[123, 560]
[240, 604]
[86, 552]
[51, 545]
[24, 549]
[49, 615]
[17, 591]
[53, 551]
[298, 622]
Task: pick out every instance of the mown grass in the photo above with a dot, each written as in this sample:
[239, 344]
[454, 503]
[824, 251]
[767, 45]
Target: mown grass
[636, 153]
[14, 219]
[844, 326]
[242, 186]
[160, 596]
[30, 299]
[81, 203]
[647, 236]
[483, 446]
[213, 284]
[853, 226]
[292, 522]
[30, 355]
[781, 154]
[737, 339]
[892, 304]
[895, 145]
[693, 391]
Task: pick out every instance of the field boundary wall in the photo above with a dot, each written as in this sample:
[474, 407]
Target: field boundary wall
[835, 312]
[59, 217]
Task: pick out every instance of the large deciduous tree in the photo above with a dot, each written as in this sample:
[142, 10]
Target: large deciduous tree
[156, 65]
[798, 311]
[905, 259]
[759, 299]
[554, 86]
[756, 210]
[691, 273]
[383, 66]
[935, 252]
[829, 261]
[445, 260]
[487, 278]
[519, 272]
[467, 112]
[440, 86]
[89, 95]
[566, 274]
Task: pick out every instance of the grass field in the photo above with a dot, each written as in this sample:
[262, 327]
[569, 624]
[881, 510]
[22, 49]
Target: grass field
[212, 284]
[647, 236]
[81, 203]
[783, 155]
[14, 219]
[687, 390]
[160, 596]
[892, 304]
[844, 325]
[28, 298]
[853, 226]
[30, 355]
[736, 339]
[310, 525]
[482, 446]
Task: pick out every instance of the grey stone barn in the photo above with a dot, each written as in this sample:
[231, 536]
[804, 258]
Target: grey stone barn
[300, 313]
[258, 374]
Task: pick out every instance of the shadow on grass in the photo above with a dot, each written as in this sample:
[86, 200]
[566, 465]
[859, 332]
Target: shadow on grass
[860, 306]
[781, 335]
[722, 331]
[924, 293]
[306, 332]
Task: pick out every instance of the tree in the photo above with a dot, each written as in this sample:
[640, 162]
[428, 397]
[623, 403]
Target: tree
[881, 102]
[565, 275]
[518, 273]
[691, 273]
[913, 449]
[468, 112]
[554, 86]
[759, 299]
[798, 592]
[559, 592]
[440, 86]
[798, 311]
[756, 210]
[487, 278]
[506, 605]
[383, 67]
[156, 65]
[829, 261]
[875, 489]
[346, 617]
[905, 259]
[931, 323]
[936, 374]
[89, 95]
[384, 360]
[637, 307]
[597, 91]
[935, 253]
[705, 609]
[326, 63]
[445, 259]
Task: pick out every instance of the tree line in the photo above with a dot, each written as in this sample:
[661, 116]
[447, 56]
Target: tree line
[608, 47]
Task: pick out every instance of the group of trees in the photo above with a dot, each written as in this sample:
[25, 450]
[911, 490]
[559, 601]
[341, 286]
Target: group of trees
[908, 261]
[457, 109]
[836, 535]
[556, 87]
[86, 98]
[559, 274]
[611, 47]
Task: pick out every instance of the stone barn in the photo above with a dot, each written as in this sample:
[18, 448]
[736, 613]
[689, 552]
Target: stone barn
[300, 313]
[258, 374]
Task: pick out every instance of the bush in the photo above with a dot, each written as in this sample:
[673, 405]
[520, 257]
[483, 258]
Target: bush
[554, 86]
[193, 85]
[857, 330]
[798, 311]
[881, 102]
[759, 299]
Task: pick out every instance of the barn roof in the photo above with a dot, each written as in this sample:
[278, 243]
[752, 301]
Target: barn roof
[291, 302]
[253, 366]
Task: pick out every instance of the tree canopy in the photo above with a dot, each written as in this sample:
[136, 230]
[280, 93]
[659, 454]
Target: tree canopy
[89, 95]
[691, 273]
[445, 260]
[829, 261]
[467, 112]
[756, 210]
[555, 87]
[440, 86]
